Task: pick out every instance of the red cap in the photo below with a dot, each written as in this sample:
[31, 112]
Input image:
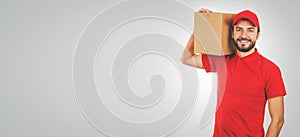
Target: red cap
[246, 14]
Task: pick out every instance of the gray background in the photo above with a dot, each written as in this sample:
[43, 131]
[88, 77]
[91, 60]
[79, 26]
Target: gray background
[38, 41]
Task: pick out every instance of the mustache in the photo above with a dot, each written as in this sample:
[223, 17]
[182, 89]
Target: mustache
[240, 39]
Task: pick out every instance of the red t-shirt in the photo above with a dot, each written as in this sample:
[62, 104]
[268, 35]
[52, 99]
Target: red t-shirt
[244, 85]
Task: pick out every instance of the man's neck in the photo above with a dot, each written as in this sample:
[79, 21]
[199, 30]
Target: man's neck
[244, 54]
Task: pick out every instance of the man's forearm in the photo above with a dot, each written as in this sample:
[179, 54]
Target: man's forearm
[189, 49]
[274, 128]
[190, 45]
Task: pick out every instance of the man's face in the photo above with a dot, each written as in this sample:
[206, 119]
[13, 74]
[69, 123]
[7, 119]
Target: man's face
[245, 35]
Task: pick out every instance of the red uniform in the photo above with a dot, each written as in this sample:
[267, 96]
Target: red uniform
[244, 85]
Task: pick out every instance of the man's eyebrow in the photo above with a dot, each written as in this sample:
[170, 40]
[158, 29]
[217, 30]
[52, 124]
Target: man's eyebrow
[245, 28]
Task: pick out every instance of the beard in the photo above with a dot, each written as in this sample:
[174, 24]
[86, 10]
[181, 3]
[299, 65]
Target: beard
[243, 47]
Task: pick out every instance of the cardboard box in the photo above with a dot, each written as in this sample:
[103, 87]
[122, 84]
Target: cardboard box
[212, 33]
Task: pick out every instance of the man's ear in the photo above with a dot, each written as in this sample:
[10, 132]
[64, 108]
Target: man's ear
[258, 35]
[231, 31]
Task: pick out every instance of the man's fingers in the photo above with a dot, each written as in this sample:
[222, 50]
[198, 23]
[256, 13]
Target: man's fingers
[205, 10]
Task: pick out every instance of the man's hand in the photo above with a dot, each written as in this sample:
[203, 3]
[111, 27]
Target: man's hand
[188, 56]
[203, 10]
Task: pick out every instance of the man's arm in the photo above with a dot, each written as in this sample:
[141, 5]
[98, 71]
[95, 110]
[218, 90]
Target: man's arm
[188, 56]
[276, 109]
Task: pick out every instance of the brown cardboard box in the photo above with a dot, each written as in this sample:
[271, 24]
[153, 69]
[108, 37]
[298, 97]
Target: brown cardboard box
[212, 33]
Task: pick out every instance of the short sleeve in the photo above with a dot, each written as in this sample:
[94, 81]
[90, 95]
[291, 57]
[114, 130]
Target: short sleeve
[212, 63]
[208, 64]
[274, 84]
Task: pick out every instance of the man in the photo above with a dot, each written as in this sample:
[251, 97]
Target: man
[246, 81]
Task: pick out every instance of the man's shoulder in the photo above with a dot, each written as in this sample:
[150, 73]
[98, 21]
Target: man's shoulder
[267, 63]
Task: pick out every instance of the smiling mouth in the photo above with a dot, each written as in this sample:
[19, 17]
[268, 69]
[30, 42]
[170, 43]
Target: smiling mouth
[243, 41]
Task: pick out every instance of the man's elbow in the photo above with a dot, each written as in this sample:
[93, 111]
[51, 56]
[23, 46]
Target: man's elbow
[184, 60]
[279, 122]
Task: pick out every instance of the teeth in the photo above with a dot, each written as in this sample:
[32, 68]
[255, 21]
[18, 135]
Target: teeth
[243, 41]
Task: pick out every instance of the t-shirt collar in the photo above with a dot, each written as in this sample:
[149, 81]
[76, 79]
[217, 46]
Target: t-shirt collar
[248, 57]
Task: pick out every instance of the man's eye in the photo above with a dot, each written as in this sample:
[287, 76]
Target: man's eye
[238, 29]
[251, 30]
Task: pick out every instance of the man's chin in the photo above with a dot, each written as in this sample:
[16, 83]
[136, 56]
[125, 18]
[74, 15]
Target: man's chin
[244, 47]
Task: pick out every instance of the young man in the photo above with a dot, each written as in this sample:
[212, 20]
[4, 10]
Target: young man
[246, 81]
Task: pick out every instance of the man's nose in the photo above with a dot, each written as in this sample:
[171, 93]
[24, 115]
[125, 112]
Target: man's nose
[244, 34]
